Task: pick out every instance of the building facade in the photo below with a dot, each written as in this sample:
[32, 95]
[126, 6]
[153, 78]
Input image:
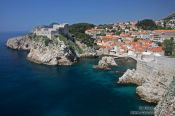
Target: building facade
[161, 35]
[51, 31]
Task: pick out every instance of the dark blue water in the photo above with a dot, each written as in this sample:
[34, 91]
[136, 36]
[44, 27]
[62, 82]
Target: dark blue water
[28, 89]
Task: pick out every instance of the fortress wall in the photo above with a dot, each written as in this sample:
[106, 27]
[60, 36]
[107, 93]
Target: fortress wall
[164, 66]
[144, 69]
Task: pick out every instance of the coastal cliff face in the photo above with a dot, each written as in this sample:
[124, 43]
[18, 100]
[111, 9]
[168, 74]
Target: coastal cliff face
[56, 51]
[166, 106]
[86, 51]
[20, 43]
[51, 52]
[153, 79]
[43, 50]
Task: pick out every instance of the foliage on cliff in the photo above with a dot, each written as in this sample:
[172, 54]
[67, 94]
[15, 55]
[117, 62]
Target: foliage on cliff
[55, 41]
[78, 30]
[147, 24]
[70, 43]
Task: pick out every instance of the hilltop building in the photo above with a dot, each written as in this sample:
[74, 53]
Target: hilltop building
[51, 31]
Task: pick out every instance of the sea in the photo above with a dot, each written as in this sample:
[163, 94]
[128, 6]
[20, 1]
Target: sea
[29, 89]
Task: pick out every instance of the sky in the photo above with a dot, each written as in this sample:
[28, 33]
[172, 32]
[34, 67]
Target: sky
[23, 15]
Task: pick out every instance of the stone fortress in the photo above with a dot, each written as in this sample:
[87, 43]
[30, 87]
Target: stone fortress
[52, 30]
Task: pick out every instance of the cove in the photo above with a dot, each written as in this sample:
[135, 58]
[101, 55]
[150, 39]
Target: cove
[28, 89]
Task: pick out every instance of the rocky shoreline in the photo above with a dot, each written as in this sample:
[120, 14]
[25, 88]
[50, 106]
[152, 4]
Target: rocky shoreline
[50, 52]
[152, 80]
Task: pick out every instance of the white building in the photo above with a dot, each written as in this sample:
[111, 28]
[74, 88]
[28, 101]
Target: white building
[161, 35]
[51, 31]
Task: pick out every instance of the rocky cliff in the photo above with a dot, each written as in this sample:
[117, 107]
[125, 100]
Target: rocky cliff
[20, 43]
[166, 106]
[152, 78]
[86, 51]
[51, 52]
[43, 50]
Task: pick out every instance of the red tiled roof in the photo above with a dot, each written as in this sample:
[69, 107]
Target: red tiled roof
[164, 31]
[156, 49]
[109, 37]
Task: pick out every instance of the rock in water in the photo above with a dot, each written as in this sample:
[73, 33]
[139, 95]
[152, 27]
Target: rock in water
[105, 63]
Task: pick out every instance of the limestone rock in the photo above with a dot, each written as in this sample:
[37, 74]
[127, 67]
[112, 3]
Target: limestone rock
[20, 43]
[52, 54]
[153, 80]
[43, 50]
[86, 51]
[130, 77]
[51, 57]
[166, 106]
[105, 63]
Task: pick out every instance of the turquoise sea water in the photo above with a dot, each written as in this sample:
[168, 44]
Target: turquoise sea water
[28, 89]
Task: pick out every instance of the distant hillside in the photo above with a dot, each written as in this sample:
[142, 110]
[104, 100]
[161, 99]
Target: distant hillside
[169, 17]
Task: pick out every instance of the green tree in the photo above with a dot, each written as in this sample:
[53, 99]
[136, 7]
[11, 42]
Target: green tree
[147, 24]
[159, 43]
[78, 30]
[136, 39]
[80, 27]
[168, 46]
[118, 32]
